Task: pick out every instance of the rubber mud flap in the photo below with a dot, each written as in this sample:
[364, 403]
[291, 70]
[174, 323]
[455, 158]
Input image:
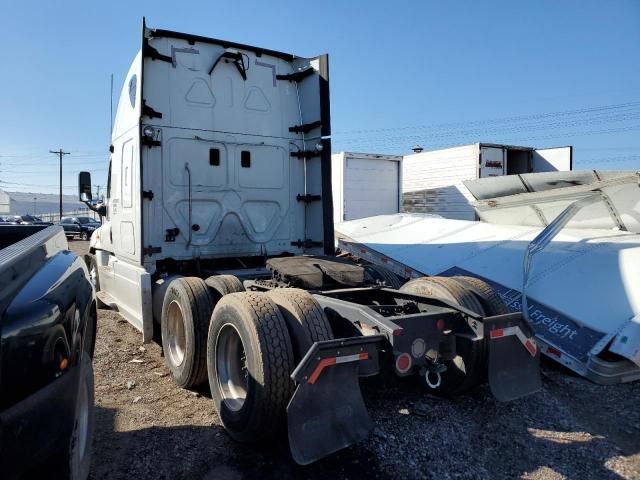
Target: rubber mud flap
[324, 419]
[327, 412]
[514, 357]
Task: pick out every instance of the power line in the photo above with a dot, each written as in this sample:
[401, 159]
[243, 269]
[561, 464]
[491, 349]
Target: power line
[510, 119]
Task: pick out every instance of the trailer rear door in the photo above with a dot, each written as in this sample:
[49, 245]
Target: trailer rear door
[371, 187]
[492, 161]
[552, 159]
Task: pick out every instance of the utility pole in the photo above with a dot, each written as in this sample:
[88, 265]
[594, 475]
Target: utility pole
[60, 153]
[34, 205]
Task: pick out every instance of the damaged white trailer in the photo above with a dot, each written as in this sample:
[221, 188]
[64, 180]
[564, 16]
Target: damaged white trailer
[570, 240]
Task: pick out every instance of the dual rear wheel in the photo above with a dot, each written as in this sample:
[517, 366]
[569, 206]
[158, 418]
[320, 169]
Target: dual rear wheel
[249, 346]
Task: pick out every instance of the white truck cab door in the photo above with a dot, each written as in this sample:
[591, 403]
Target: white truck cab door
[552, 159]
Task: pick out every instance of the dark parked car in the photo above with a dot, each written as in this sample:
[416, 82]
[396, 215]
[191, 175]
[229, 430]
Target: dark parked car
[82, 227]
[27, 220]
[47, 338]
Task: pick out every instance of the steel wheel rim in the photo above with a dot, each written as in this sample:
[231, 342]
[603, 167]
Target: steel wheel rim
[177, 342]
[93, 275]
[231, 367]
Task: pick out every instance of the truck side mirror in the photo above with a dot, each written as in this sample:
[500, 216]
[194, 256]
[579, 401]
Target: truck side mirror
[84, 186]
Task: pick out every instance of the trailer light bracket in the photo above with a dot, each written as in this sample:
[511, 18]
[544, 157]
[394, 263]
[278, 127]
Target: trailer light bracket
[296, 76]
[147, 111]
[307, 243]
[305, 127]
[306, 153]
[308, 198]
[150, 142]
[149, 251]
[153, 54]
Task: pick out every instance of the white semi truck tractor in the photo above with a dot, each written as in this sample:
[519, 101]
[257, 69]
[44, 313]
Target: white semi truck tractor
[219, 241]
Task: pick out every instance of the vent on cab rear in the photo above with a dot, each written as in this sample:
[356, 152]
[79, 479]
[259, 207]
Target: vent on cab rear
[245, 159]
[214, 157]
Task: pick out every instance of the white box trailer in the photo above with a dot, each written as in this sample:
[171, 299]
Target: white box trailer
[5, 202]
[365, 185]
[432, 182]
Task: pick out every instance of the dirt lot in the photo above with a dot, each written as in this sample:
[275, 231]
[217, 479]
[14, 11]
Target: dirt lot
[148, 428]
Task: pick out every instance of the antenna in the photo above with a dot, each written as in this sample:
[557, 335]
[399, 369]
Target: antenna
[111, 108]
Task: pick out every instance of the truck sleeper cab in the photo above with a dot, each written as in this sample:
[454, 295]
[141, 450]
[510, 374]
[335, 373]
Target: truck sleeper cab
[219, 239]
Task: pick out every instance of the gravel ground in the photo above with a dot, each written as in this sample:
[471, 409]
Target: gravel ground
[148, 428]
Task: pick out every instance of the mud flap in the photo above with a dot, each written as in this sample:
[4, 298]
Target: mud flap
[514, 357]
[327, 412]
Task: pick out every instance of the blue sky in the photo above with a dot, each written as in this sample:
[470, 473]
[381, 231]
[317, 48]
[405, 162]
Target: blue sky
[540, 73]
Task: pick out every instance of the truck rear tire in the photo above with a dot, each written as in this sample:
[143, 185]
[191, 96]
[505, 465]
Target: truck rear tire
[222, 285]
[186, 312]
[94, 277]
[491, 301]
[306, 320]
[468, 368]
[249, 359]
[382, 274]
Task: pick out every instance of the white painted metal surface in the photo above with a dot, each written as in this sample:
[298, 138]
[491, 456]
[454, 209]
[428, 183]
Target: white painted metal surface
[204, 162]
[552, 159]
[5, 203]
[434, 182]
[584, 287]
[365, 185]
[619, 208]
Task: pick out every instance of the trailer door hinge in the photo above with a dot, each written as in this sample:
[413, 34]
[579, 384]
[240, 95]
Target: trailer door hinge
[147, 111]
[151, 250]
[305, 127]
[153, 54]
[308, 243]
[147, 194]
[305, 154]
[308, 198]
[150, 142]
[297, 76]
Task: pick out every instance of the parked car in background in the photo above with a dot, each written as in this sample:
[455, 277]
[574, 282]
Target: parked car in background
[47, 338]
[7, 221]
[82, 227]
[28, 220]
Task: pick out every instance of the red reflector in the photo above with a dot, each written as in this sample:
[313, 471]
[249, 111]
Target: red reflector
[440, 324]
[385, 260]
[403, 362]
[553, 351]
[531, 347]
[497, 333]
[325, 362]
[362, 250]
